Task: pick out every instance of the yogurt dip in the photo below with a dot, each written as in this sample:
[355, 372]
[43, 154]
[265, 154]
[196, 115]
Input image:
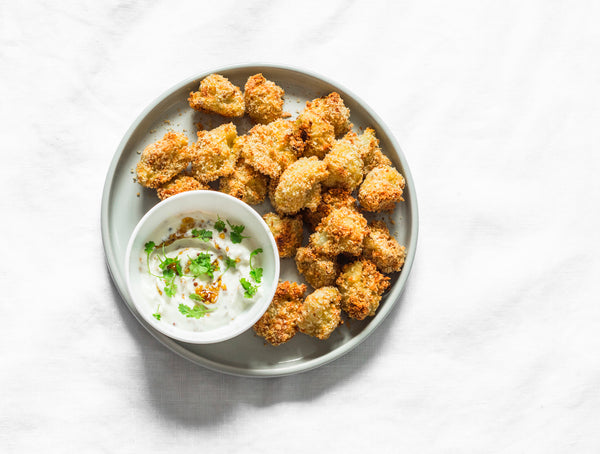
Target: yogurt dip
[200, 272]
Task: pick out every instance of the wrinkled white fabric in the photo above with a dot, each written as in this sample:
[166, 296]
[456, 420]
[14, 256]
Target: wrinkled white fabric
[494, 344]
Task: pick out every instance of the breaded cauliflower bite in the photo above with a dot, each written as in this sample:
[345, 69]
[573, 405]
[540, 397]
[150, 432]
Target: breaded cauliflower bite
[316, 134]
[342, 231]
[382, 189]
[332, 109]
[264, 99]
[321, 314]
[162, 160]
[330, 199]
[280, 322]
[216, 94]
[318, 270]
[370, 152]
[361, 287]
[181, 183]
[382, 249]
[268, 148]
[214, 154]
[287, 232]
[245, 184]
[300, 186]
[344, 164]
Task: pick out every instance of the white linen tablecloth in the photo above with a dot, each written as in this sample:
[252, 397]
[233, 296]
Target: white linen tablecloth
[494, 346]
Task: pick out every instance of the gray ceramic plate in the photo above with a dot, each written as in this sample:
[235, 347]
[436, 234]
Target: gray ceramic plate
[122, 208]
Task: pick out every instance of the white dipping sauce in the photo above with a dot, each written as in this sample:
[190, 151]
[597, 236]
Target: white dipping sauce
[223, 295]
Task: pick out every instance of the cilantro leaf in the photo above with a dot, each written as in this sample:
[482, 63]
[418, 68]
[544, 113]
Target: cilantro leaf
[149, 247]
[250, 290]
[197, 298]
[197, 311]
[156, 316]
[219, 224]
[204, 235]
[170, 289]
[230, 263]
[236, 233]
[255, 273]
[202, 265]
[170, 267]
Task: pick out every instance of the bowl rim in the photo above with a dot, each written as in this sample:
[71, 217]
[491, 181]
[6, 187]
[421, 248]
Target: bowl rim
[289, 369]
[202, 337]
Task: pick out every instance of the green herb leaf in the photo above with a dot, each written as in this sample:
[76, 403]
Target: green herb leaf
[250, 290]
[230, 263]
[197, 298]
[149, 247]
[171, 266]
[170, 289]
[204, 235]
[156, 316]
[236, 233]
[219, 225]
[202, 265]
[255, 273]
[197, 311]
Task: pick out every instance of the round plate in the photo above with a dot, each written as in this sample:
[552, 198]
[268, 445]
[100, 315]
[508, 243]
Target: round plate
[124, 202]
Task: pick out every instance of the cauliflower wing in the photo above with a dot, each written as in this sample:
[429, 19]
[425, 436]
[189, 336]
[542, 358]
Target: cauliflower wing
[300, 186]
[162, 160]
[318, 270]
[341, 231]
[320, 313]
[287, 232]
[361, 287]
[214, 154]
[382, 249]
[344, 164]
[264, 99]
[382, 189]
[245, 184]
[181, 183]
[216, 94]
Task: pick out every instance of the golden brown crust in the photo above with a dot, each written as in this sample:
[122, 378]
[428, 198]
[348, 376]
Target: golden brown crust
[382, 249]
[318, 270]
[342, 231]
[330, 199]
[371, 154]
[299, 186]
[214, 154]
[264, 99]
[320, 313]
[344, 164]
[287, 232]
[313, 135]
[268, 149]
[245, 184]
[216, 94]
[332, 109]
[382, 189]
[162, 160]
[181, 183]
[279, 323]
[361, 287]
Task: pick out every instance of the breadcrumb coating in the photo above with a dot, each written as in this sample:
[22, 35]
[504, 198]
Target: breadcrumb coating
[330, 199]
[299, 186]
[370, 152]
[162, 160]
[268, 148]
[214, 154]
[342, 231]
[344, 164]
[321, 314]
[382, 249]
[287, 232]
[332, 109]
[318, 270]
[280, 322]
[216, 94]
[245, 184]
[382, 189]
[264, 99]
[361, 287]
[316, 134]
[181, 183]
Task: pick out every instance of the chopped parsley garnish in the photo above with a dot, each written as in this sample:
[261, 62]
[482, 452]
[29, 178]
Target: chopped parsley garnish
[236, 233]
[197, 298]
[204, 235]
[219, 224]
[250, 290]
[255, 273]
[197, 311]
[170, 289]
[156, 316]
[149, 247]
[202, 265]
[229, 263]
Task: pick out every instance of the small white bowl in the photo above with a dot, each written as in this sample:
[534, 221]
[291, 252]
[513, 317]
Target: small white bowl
[213, 203]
